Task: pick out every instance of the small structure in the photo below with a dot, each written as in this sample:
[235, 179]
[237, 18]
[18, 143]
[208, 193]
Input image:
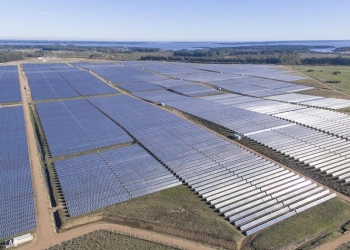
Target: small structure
[236, 136]
[161, 104]
[219, 88]
[18, 240]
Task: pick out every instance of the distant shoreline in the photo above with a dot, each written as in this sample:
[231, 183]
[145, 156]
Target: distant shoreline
[174, 45]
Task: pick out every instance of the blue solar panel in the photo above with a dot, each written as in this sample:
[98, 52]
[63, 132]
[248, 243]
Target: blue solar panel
[102, 179]
[139, 87]
[194, 90]
[17, 212]
[86, 84]
[9, 85]
[121, 74]
[77, 126]
[49, 85]
[52, 81]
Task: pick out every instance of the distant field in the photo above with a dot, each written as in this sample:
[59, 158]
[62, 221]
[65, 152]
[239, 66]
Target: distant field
[109, 241]
[337, 77]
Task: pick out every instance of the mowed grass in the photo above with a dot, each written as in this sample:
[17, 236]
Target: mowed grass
[109, 241]
[328, 74]
[320, 220]
[177, 207]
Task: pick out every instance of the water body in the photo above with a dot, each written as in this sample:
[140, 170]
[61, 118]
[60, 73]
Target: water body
[183, 45]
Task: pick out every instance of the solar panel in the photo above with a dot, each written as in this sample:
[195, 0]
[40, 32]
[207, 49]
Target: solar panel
[52, 81]
[77, 126]
[17, 211]
[9, 85]
[110, 177]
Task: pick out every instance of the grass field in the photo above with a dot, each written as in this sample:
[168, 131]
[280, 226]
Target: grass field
[176, 211]
[109, 241]
[323, 219]
[328, 74]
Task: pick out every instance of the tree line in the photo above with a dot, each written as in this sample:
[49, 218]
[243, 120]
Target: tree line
[10, 56]
[285, 55]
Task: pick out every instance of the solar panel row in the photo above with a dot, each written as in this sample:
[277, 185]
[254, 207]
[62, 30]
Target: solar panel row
[315, 101]
[319, 150]
[17, 212]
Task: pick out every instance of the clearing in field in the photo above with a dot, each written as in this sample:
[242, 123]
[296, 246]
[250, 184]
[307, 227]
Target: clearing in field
[337, 77]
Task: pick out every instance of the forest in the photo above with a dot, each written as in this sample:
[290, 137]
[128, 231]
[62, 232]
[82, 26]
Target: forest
[269, 54]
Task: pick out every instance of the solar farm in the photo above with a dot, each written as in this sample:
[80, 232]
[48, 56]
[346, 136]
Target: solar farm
[108, 133]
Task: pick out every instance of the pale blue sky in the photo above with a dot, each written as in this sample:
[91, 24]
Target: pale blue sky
[177, 20]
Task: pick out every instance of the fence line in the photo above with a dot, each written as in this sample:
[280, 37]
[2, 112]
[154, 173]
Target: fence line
[106, 229]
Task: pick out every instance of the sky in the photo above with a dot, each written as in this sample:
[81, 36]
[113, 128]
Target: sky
[176, 20]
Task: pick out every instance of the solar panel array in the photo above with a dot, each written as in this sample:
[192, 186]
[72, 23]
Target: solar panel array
[309, 148]
[47, 84]
[327, 121]
[226, 116]
[258, 87]
[62, 81]
[137, 80]
[254, 104]
[319, 150]
[9, 85]
[139, 87]
[263, 71]
[194, 90]
[86, 84]
[245, 79]
[251, 191]
[94, 181]
[17, 211]
[75, 126]
[160, 96]
[120, 73]
[316, 101]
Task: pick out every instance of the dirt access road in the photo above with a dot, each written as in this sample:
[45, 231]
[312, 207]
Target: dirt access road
[334, 244]
[45, 226]
[148, 235]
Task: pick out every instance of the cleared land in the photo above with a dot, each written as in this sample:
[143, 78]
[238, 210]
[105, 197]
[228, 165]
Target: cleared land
[336, 77]
[109, 241]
